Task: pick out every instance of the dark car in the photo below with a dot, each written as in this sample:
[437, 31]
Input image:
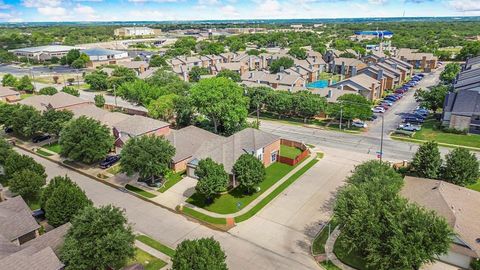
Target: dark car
[413, 120]
[41, 138]
[392, 99]
[109, 161]
[373, 117]
[8, 130]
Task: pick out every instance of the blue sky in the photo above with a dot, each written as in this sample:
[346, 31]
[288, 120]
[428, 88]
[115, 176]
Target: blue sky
[138, 10]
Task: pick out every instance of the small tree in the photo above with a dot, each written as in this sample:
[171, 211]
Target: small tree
[432, 99]
[25, 120]
[72, 55]
[158, 61]
[71, 91]
[149, 156]
[281, 63]
[99, 100]
[297, 52]
[232, 75]
[25, 84]
[309, 105]
[450, 72]
[99, 238]
[249, 171]
[461, 167]
[200, 254]
[49, 90]
[212, 178]
[27, 184]
[163, 108]
[5, 151]
[98, 80]
[196, 73]
[65, 199]
[427, 160]
[85, 140]
[375, 169]
[9, 80]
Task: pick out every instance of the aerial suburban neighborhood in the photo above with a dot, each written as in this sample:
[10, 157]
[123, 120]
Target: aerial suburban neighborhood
[146, 141]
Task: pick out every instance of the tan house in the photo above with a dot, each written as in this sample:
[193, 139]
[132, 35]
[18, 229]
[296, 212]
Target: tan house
[238, 67]
[362, 84]
[138, 66]
[281, 80]
[388, 78]
[459, 207]
[7, 94]
[346, 66]
[135, 126]
[59, 101]
[424, 61]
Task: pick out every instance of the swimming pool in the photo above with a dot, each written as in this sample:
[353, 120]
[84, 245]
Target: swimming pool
[319, 84]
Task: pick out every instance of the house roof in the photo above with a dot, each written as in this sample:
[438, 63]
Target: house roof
[458, 205]
[375, 69]
[32, 259]
[133, 64]
[467, 102]
[263, 76]
[47, 48]
[400, 62]
[188, 140]
[236, 66]
[53, 239]
[332, 94]
[474, 61]
[358, 81]
[412, 55]
[16, 219]
[137, 125]
[101, 52]
[56, 101]
[105, 117]
[347, 61]
[7, 91]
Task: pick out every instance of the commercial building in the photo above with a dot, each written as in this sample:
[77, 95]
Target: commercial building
[368, 35]
[100, 56]
[459, 207]
[43, 53]
[136, 31]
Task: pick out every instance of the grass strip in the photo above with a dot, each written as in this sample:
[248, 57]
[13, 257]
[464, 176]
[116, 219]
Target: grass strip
[148, 261]
[170, 252]
[206, 218]
[172, 179]
[329, 265]
[140, 191]
[44, 153]
[475, 186]
[275, 193]
[318, 245]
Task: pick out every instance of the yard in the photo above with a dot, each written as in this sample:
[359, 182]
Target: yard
[140, 191]
[289, 151]
[318, 245]
[156, 245]
[236, 199]
[115, 169]
[430, 131]
[475, 186]
[170, 180]
[54, 147]
[148, 261]
[351, 258]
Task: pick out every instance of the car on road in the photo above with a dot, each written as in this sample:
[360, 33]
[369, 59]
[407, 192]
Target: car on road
[378, 110]
[109, 161]
[359, 124]
[41, 138]
[409, 127]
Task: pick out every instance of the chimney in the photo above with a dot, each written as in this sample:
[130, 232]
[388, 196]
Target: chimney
[373, 91]
[394, 66]
[342, 70]
[354, 71]
[380, 75]
[298, 69]
[279, 76]
[330, 93]
[341, 87]
[250, 75]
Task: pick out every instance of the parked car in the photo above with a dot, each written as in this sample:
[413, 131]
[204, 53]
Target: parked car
[378, 110]
[41, 138]
[409, 127]
[8, 130]
[388, 102]
[373, 117]
[359, 124]
[109, 161]
[413, 120]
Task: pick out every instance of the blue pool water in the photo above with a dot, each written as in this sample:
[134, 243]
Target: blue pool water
[319, 84]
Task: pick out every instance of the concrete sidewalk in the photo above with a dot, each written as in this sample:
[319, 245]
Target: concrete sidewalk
[259, 198]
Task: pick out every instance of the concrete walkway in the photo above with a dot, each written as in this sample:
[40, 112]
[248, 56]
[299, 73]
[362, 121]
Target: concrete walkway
[154, 253]
[329, 250]
[259, 198]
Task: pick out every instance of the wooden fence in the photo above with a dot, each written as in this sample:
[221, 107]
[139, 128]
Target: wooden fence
[297, 159]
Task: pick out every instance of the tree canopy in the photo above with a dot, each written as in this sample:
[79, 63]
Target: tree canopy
[351, 106]
[99, 100]
[249, 171]
[49, 90]
[450, 72]
[461, 167]
[85, 140]
[281, 63]
[196, 72]
[98, 80]
[231, 74]
[212, 178]
[26, 183]
[199, 254]
[53, 121]
[25, 84]
[432, 99]
[298, 53]
[427, 161]
[71, 91]
[9, 80]
[163, 108]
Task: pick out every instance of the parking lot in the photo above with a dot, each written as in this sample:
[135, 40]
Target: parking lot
[18, 70]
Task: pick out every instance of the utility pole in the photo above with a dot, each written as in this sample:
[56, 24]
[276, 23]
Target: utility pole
[381, 140]
[115, 94]
[341, 114]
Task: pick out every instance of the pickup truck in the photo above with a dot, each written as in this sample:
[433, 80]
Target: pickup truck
[409, 127]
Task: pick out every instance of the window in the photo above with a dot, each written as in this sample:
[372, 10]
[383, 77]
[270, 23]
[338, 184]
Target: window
[274, 156]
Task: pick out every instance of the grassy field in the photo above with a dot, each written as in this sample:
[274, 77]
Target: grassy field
[475, 186]
[236, 199]
[289, 152]
[54, 147]
[275, 193]
[430, 132]
[200, 216]
[148, 261]
[140, 191]
[170, 252]
[329, 265]
[171, 180]
[24, 96]
[44, 153]
[114, 169]
[318, 245]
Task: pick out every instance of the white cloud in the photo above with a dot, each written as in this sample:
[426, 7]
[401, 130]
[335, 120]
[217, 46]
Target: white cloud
[155, 1]
[85, 13]
[57, 12]
[4, 6]
[229, 11]
[5, 16]
[465, 5]
[41, 3]
[208, 2]
[377, 2]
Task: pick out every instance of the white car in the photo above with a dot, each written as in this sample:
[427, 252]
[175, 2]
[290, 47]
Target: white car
[409, 127]
[359, 124]
[378, 110]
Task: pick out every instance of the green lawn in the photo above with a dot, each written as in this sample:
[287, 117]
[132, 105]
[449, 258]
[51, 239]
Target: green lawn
[431, 132]
[54, 147]
[275, 193]
[44, 153]
[114, 169]
[318, 245]
[34, 204]
[200, 216]
[148, 261]
[140, 191]
[171, 180]
[156, 245]
[236, 199]
[24, 96]
[289, 152]
[329, 265]
[475, 186]
[352, 258]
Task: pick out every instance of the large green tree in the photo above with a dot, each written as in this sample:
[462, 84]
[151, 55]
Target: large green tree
[16, 163]
[158, 61]
[351, 106]
[49, 90]
[98, 80]
[375, 169]
[141, 92]
[461, 167]
[471, 49]
[163, 108]
[9, 80]
[99, 238]
[280, 102]
[308, 105]
[196, 73]
[71, 91]
[281, 63]
[5, 151]
[199, 254]
[212, 178]
[24, 120]
[231, 74]
[432, 98]
[25, 84]
[65, 199]
[121, 75]
[149, 156]
[26, 183]
[258, 97]
[450, 72]
[427, 161]
[222, 102]
[184, 111]
[297, 52]
[53, 121]
[249, 171]
[85, 140]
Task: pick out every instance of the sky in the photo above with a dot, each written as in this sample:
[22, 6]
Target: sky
[173, 10]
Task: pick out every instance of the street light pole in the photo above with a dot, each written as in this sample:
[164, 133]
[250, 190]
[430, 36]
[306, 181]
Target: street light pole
[341, 113]
[381, 140]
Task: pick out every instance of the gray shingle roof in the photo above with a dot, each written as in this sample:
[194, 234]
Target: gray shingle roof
[57, 101]
[31, 259]
[136, 125]
[7, 91]
[188, 140]
[467, 102]
[16, 219]
[53, 239]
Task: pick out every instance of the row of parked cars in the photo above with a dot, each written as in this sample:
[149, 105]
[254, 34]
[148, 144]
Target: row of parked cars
[389, 100]
[413, 121]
